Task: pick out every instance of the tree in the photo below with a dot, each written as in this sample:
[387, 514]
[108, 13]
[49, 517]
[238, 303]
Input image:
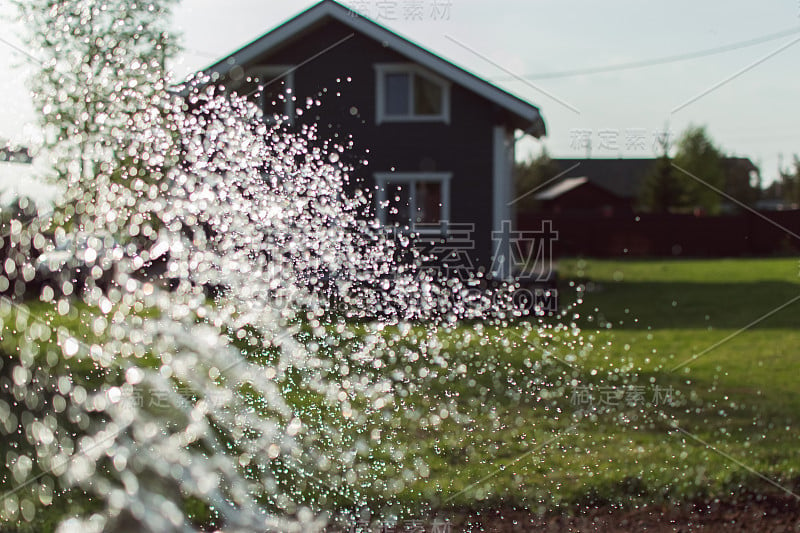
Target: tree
[790, 183]
[103, 69]
[700, 168]
[688, 181]
[661, 190]
[529, 176]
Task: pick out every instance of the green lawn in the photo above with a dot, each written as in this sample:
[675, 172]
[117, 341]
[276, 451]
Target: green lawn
[711, 347]
[527, 415]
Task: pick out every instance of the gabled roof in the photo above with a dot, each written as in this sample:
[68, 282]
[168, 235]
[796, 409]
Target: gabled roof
[621, 177]
[329, 9]
[563, 186]
[738, 163]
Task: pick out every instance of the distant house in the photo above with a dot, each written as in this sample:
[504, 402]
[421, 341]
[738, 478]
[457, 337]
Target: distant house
[15, 154]
[439, 140]
[23, 175]
[613, 186]
[742, 181]
[581, 196]
[620, 178]
[592, 207]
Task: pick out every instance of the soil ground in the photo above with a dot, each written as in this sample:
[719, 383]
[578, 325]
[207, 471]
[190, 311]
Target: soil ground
[771, 513]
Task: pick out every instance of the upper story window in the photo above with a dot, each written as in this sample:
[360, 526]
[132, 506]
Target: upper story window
[271, 87]
[408, 93]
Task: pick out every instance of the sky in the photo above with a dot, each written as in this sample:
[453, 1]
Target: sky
[728, 65]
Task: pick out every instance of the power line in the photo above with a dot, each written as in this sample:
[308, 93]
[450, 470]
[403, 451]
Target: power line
[656, 61]
[21, 51]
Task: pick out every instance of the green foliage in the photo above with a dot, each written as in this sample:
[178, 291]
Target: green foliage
[529, 176]
[688, 181]
[100, 94]
[662, 189]
[696, 155]
[790, 183]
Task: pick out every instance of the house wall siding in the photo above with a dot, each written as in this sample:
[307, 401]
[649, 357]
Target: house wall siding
[463, 147]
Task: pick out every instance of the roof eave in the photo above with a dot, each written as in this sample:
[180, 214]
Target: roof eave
[528, 114]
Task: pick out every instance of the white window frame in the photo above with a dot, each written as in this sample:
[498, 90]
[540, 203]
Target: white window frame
[382, 69]
[382, 179]
[272, 73]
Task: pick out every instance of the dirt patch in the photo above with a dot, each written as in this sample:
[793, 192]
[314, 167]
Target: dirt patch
[774, 513]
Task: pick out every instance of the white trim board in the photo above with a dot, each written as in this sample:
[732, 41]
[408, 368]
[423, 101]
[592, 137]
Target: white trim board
[502, 169]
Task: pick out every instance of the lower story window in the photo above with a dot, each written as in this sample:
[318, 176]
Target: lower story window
[412, 199]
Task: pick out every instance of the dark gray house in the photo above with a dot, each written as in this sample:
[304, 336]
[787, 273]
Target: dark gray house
[439, 140]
